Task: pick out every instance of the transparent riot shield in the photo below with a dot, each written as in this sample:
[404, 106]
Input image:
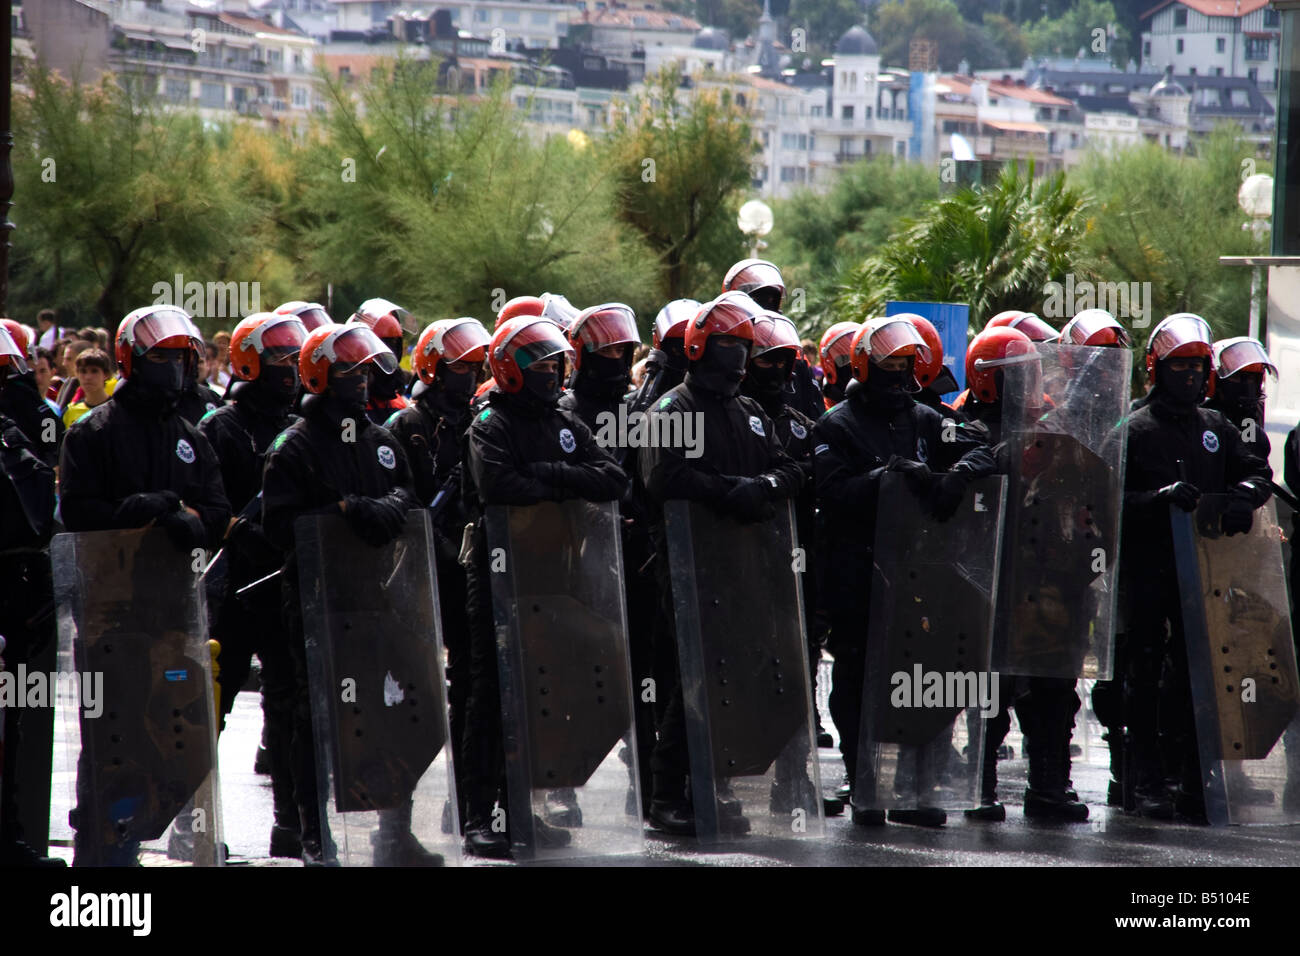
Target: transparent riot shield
[1064, 421]
[1241, 663]
[738, 604]
[378, 695]
[566, 681]
[929, 633]
[135, 700]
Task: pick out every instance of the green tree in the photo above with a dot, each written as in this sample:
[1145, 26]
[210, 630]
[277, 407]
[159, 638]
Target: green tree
[115, 193]
[1006, 37]
[1166, 219]
[897, 23]
[1086, 26]
[448, 207]
[824, 20]
[681, 170]
[993, 248]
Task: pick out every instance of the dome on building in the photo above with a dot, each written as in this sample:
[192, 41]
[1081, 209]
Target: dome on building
[856, 42]
[711, 38]
[1167, 85]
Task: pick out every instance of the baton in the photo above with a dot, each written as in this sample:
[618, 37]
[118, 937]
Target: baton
[249, 587]
[1285, 495]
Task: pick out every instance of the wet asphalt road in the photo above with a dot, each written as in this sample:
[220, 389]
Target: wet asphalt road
[1108, 838]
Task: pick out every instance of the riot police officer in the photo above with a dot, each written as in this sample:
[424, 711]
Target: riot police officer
[26, 612]
[264, 368]
[1240, 365]
[387, 389]
[878, 428]
[1177, 451]
[432, 429]
[335, 461]
[742, 470]
[522, 449]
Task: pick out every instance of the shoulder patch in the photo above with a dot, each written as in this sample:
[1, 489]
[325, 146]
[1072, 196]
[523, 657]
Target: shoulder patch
[185, 451]
[798, 431]
[756, 426]
[1210, 440]
[821, 448]
[279, 440]
[388, 422]
[665, 402]
[208, 414]
[484, 416]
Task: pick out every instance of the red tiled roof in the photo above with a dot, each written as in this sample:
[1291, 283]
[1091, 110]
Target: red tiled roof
[1212, 8]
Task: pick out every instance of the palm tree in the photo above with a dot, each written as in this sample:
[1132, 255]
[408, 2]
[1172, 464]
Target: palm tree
[992, 248]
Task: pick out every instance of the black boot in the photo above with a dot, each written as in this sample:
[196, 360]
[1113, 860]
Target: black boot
[1046, 797]
[989, 810]
[562, 808]
[483, 841]
[396, 845]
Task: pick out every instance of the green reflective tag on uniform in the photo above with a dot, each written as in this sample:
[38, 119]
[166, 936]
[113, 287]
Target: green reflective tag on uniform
[279, 440]
[665, 401]
[206, 415]
[486, 413]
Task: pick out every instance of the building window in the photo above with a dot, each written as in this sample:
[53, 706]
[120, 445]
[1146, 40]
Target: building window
[846, 112]
[299, 97]
[788, 141]
[481, 15]
[539, 19]
[1178, 46]
[1218, 71]
[1271, 17]
[900, 149]
[212, 95]
[869, 113]
[1146, 47]
[1256, 48]
[1180, 18]
[1253, 75]
[866, 147]
[1191, 71]
[510, 16]
[803, 141]
[1220, 44]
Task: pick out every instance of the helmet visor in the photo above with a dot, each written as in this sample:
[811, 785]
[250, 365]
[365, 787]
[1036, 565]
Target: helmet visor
[354, 345]
[896, 337]
[169, 328]
[282, 333]
[1242, 354]
[559, 310]
[465, 341]
[756, 275]
[730, 313]
[375, 309]
[10, 354]
[605, 325]
[774, 331]
[1181, 335]
[672, 318]
[535, 342]
[1084, 326]
[1035, 328]
[313, 317]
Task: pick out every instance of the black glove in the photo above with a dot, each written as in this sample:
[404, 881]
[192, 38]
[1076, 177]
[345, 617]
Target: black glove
[948, 493]
[1240, 514]
[376, 521]
[550, 473]
[1184, 494]
[136, 511]
[582, 482]
[186, 530]
[918, 474]
[748, 500]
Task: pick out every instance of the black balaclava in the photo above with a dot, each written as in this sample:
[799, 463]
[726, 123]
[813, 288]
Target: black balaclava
[541, 389]
[768, 297]
[769, 386]
[835, 390]
[890, 390]
[1242, 396]
[348, 395]
[275, 388]
[674, 351]
[384, 386]
[604, 378]
[158, 386]
[721, 368]
[450, 393]
[1181, 390]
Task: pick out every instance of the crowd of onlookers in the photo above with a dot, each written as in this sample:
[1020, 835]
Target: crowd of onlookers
[76, 370]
